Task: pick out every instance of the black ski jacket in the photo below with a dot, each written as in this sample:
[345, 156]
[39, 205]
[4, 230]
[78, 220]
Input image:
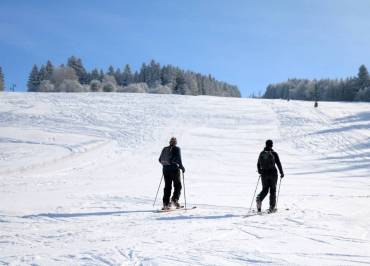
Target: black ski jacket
[277, 162]
[176, 162]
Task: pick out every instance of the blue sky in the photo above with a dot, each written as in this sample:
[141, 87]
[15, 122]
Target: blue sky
[246, 43]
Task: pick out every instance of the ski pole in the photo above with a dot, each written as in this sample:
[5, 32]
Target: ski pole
[277, 200]
[183, 181]
[250, 208]
[156, 195]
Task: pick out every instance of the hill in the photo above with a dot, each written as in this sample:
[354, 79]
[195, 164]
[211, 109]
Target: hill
[79, 172]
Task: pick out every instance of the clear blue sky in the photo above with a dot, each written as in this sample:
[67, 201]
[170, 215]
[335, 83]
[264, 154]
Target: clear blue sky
[246, 43]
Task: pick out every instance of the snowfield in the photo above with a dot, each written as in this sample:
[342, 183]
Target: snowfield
[79, 172]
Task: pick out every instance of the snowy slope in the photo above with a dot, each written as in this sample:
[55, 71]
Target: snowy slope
[79, 172]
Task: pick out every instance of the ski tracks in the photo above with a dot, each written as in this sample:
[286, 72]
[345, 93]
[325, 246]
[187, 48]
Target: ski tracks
[103, 215]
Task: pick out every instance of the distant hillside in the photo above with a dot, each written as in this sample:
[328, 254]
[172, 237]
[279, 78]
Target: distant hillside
[151, 78]
[350, 89]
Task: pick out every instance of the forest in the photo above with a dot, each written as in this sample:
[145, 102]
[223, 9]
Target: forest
[151, 78]
[355, 88]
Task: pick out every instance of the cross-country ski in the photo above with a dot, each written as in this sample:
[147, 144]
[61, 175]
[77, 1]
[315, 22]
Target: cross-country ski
[182, 208]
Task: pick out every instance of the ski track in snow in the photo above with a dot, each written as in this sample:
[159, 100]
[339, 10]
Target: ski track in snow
[79, 172]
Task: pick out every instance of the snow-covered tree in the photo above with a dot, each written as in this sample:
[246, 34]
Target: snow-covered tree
[101, 75]
[136, 77]
[111, 71]
[192, 86]
[153, 77]
[109, 83]
[63, 73]
[118, 76]
[142, 74]
[43, 74]
[168, 76]
[127, 76]
[46, 86]
[363, 94]
[160, 89]
[49, 68]
[140, 87]
[95, 85]
[166, 79]
[181, 86]
[33, 79]
[2, 82]
[69, 85]
[353, 88]
[108, 87]
[76, 64]
[94, 75]
[363, 77]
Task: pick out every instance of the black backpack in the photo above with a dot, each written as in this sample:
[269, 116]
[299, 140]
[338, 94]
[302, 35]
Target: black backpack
[166, 156]
[266, 160]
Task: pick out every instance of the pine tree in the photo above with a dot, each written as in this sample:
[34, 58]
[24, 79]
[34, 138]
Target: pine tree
[43, 73]
[94, 75]
[192, 86]
[143, 73]
[76, 64]
[33, 79]
[2, 82]
[153, 74]
[118, 76]
[111, 71]
[101, 75]
[363, 77]
[168, 76]
[127, 77]
[49, 70]
[136, 77]
[181, 87]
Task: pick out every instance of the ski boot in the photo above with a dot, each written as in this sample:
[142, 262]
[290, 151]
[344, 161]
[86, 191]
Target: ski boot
[166, 207]
[259, 204]
[176, 204]
[272, 209]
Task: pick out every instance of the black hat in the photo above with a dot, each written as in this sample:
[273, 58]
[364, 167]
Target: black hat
[269, 143]
[173, 141]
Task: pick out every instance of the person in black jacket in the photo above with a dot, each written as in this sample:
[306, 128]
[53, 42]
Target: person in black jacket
[170, 158]
[269, 175]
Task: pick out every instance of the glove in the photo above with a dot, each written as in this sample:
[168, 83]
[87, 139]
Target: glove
[183, 169]
[282, 175]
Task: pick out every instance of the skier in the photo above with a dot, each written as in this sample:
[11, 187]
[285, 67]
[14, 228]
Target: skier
[269, 175]
[170, 158]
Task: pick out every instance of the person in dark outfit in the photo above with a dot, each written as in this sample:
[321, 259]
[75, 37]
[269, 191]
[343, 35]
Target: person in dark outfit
[269, 175]
[170, 158]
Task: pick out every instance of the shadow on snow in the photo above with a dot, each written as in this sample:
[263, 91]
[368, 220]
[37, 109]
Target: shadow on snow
[191, 217]
[82, 214]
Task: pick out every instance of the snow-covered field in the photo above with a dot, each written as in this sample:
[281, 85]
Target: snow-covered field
[79, 172]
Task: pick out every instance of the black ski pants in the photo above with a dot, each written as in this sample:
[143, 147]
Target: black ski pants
[172, 175]
[269, 182]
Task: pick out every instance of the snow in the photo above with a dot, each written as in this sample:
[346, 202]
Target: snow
[79, 172]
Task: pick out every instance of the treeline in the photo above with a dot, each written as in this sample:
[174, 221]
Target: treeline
[2, 82]
[151, 78]
[351, 89]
